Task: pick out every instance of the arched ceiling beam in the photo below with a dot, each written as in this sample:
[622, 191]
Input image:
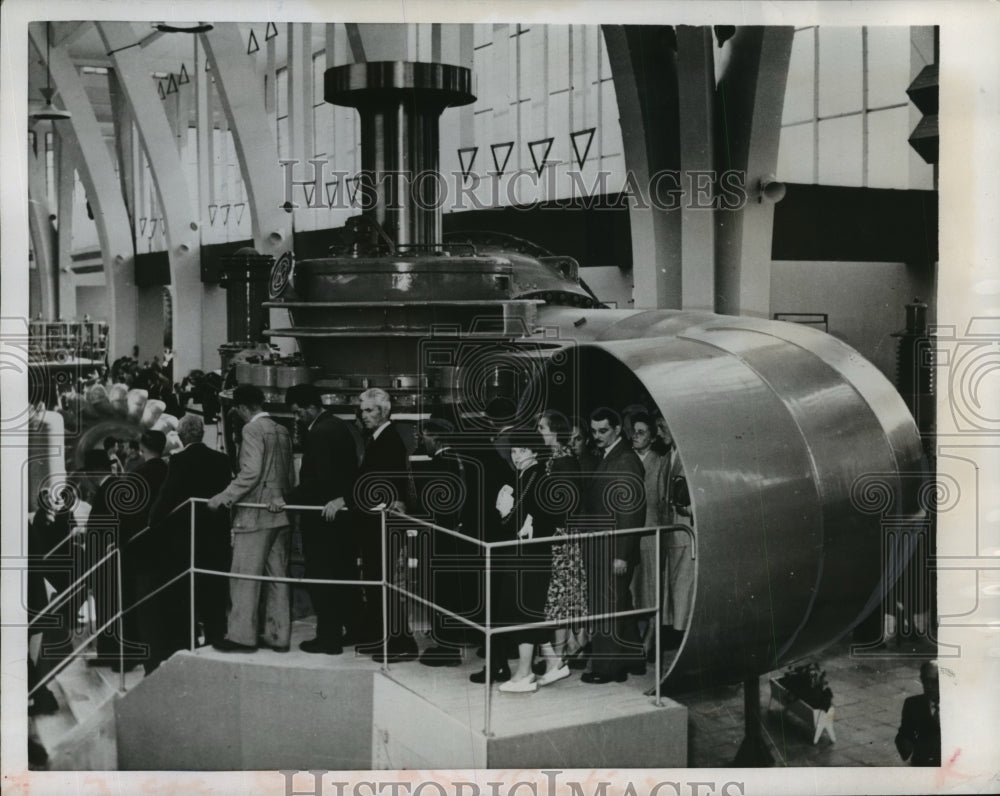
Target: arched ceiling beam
[97, 172]
[256, 145]
[179, 218]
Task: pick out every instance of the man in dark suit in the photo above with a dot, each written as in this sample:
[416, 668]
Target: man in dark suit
[448, 488]
[614, 499]
[195, 471]
[326, 478]
[121, 509]
[385, 465]
[919, 736]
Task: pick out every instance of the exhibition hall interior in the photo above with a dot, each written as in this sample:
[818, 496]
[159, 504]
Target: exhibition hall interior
[421, 396]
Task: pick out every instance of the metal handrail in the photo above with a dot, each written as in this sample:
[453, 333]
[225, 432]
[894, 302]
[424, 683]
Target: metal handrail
[71, 589]
[490, 631]
[486, 628]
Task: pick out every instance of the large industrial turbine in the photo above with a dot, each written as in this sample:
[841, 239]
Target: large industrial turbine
[802, 460]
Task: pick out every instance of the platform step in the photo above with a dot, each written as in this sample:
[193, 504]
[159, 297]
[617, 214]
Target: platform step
[51, 729]
[84, 689]
[113, 680]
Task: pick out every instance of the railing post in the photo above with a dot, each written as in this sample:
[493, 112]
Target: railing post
[193, 639]
[385, 594]
[658, 617]
[121, 620]
[489, 639]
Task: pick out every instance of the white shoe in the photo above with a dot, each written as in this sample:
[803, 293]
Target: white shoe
[525, 685]
[553, 675]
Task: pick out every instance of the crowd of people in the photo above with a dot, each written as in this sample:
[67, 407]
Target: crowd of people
[537, 480]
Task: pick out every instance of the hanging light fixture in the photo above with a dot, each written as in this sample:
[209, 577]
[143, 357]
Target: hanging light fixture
[49, 112]
[184, 27]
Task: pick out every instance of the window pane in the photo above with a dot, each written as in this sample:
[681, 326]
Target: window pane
[888, 150]
[840, 151]
[801, 78]
[888, 66]
[319, 68]
[283, 143]
[796, 154]
[281, 88]
[839, 70]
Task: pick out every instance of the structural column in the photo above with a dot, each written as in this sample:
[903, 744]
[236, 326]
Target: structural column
[181, 227]
[699, 180]
[43, 240]
[750, 98]
[65, 170]
[644, 67]
[256, 146]
[97, 171]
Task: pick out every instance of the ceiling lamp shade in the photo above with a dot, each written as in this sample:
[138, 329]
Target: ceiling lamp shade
[49, 112]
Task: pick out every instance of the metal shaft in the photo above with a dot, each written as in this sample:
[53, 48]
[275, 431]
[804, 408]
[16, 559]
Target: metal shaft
[400, 103]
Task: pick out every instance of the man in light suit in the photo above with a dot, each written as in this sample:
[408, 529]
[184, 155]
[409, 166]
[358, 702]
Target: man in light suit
[614, 499]
[260, 539]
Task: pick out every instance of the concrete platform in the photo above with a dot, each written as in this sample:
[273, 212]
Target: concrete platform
[435, 718]
[207, 710]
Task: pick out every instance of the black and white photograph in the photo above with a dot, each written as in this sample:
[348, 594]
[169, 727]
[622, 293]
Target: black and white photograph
[454, 398]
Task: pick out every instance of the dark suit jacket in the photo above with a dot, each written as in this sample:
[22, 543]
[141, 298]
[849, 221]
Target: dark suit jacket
[196, 471]
[329, 467]
[919, 736]
[616, 491]
[152, 473]
[385, 463]
[448, 487]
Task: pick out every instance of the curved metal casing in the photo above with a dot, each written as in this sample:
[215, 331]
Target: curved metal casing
[802, 462]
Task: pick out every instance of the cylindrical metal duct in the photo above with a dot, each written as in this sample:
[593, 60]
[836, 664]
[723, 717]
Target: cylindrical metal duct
[803, 466]
[400, 103]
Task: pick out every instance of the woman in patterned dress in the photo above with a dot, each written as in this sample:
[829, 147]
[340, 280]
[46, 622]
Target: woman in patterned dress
[567, 596]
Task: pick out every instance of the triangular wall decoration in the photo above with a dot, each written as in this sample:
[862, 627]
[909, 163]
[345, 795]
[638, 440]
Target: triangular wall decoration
[142, 226]
[160, 90]
[152, 226]
[470, 152]
[239, 216]
[331, 191]
[183, 78]
[309, 188]
[494, 148]
[353, 183]
[540, 164]
[252, 45]
[213, 211]
[171, 85]
[576, 138]
[271, 32]
[226, 219]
